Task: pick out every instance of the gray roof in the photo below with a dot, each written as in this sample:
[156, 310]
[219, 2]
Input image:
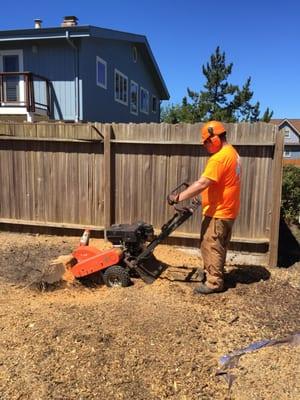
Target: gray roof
[93, 32]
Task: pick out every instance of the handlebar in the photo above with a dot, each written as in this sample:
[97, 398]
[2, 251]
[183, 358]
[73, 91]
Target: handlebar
[180, 216]
[185, 184]
[195, 203]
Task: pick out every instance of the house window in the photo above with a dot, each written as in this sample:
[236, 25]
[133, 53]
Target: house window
[101, 73]
[121, 87]
[287, 154]
[286, 133]
[134, 54]
[144, 101]
[154, 104]
[134, 91]
[13, 86]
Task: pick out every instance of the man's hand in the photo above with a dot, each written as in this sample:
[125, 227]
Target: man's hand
[173, 199]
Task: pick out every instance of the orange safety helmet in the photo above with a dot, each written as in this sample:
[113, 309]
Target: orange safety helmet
[211, 130]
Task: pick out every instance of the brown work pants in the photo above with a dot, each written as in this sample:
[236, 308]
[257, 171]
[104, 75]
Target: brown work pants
[214, 242]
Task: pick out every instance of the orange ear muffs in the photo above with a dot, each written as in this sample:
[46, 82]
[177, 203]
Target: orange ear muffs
[213, 143]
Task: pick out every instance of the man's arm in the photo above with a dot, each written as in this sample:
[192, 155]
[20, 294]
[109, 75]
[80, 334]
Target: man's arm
[194, 189]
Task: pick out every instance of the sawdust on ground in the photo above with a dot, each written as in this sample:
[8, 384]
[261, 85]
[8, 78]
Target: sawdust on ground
[143, 342]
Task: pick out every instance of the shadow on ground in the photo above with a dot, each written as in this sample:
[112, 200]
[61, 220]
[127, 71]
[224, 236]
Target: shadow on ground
[288, 246]
[246, 275]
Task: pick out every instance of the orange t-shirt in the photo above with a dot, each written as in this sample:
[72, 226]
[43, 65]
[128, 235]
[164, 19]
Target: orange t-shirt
[222, 198]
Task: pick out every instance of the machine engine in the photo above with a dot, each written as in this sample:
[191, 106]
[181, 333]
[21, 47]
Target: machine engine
[131, 236]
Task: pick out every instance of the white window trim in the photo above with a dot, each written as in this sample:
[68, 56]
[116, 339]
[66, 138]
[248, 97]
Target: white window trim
[125, 103]
[155, 111]
[9, 53]
[138, 97]
[143, 111]
[287, 154]
[99, 59]
[18, 52]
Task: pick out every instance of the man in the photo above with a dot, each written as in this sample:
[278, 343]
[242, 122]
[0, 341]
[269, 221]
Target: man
[219, 186]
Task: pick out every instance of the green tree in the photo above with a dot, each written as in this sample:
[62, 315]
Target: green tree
[179, 113]
[290, 199]
[241, 108]
[213, 101]
[267, 115]
[219, 99]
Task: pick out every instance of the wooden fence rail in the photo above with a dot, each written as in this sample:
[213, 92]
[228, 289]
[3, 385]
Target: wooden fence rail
[76, 175]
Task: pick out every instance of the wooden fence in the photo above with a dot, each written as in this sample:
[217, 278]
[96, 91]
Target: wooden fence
[77, 175]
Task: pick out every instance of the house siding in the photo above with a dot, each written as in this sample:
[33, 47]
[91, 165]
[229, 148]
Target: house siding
[99, 103]
[56, 61]
[294, 151]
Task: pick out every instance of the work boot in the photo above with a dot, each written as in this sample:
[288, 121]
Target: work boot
[201, 275]
[203, 289]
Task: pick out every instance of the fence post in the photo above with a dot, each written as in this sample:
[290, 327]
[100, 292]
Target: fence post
[107, 178]
[276, 196]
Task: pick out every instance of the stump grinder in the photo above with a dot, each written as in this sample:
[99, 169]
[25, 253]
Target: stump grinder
[130, 255]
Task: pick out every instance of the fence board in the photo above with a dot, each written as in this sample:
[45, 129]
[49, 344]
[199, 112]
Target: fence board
[276, 194]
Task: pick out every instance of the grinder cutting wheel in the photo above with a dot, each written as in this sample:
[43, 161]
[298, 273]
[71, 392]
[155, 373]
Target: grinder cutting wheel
[130, 256]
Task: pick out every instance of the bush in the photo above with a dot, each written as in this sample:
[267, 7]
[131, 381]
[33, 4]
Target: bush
[290, 200]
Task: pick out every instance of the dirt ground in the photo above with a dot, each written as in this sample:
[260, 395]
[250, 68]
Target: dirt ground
[143, 342]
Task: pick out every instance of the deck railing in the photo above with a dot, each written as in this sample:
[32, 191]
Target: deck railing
[25, 89]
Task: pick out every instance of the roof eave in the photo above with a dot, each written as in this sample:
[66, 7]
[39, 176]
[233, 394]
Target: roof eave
[44, 33]
[165, 95]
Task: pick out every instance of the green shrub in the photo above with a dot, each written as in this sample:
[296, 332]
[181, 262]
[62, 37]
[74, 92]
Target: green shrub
[290, 200]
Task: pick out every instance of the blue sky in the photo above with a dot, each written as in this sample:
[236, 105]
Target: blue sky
[261, 38]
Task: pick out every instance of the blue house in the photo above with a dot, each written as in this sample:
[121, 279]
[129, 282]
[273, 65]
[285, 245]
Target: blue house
[79, 73]
[291, 130]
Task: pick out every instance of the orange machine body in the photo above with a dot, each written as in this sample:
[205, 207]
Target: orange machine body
[91, 260]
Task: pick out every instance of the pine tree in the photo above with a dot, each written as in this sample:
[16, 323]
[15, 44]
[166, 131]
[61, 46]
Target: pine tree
[219, 99]
[213, 102]
[267, 115]
[241, 106]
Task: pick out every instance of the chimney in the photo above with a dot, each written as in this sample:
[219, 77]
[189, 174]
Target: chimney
[37, 23]
[69, 20]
